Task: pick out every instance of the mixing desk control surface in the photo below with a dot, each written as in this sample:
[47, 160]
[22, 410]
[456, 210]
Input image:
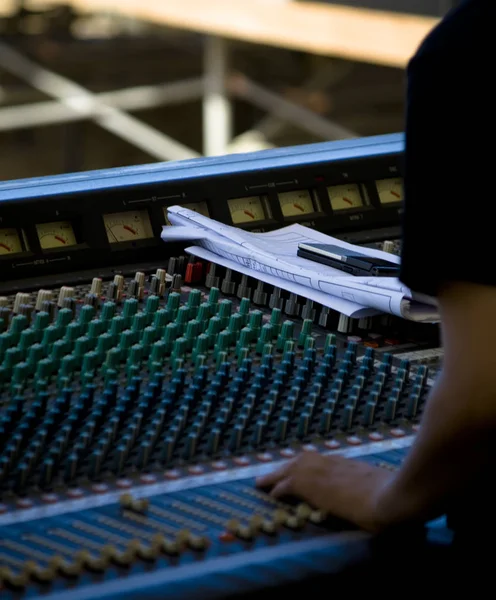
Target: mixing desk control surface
[140, 397]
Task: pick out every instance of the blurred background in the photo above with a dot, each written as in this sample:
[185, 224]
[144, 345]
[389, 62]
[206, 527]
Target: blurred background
[97, 84]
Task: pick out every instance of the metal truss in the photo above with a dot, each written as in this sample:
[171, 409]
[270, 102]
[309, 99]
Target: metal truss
[72, 102]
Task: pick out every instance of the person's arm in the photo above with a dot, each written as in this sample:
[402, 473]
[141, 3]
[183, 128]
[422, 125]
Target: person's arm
[457, 437]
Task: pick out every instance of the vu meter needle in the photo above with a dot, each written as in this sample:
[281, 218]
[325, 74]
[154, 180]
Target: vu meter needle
[298, 206]
[2, 245]
[250, 214]
[130, 229]
[60, 239]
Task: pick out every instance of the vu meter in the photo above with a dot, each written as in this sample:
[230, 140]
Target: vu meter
[345, 196]
[296, 204]
[390, 190]
[128, 226]
[246, 210]
[10, 242]
[56, 235]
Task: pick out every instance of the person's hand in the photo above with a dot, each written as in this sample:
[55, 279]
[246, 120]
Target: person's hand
[339, 486]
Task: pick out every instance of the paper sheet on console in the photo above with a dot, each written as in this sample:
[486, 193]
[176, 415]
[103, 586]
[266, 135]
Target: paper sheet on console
[272, 256]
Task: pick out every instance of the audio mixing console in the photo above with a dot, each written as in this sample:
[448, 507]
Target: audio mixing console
[142, 390]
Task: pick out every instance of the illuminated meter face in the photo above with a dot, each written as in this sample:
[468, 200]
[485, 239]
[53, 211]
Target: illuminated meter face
[10, 241]
[296, 204]
[390, 190]
[344, 197]
[246, 210]
[59, 234]
[128, 226]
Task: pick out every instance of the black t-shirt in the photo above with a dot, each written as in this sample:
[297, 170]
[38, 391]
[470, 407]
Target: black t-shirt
[450, 167]
[450, 179]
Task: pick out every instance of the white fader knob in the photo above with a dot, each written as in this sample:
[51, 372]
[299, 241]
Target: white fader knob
[43, 296]
[21, 298]
[4, 302]
[65, 292]
[388, 246]
[96, 286]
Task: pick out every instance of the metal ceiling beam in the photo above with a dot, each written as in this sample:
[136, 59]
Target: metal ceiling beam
[79, 99]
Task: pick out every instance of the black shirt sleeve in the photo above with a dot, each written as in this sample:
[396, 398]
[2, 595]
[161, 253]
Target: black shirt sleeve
[450, 163]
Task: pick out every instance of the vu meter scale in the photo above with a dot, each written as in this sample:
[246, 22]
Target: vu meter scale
[127, 226]
[390, 190]
[10, 242]
[345, 197]
[294, 204]
[246, 210]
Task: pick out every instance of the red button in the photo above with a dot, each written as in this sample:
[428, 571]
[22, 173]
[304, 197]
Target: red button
[148, 478]
[24, 503]
[75, 493]
[50, 498]
[332, 444]
[226, 536]
[241, 461]
[309, 448]
[398, 433]
[353, 440]
[99, 488]
[219, 465]
[196, 470]
[287, 452]
[265, 457]
[124, 484]
[375, 436]
[172, 474]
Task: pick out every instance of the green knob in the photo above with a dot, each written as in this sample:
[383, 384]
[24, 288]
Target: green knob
[135, 355]
[113, 359]
[35, 354]
[128, 338]
[6, 341]
[170, 335]
[203, 315]
[139, 322]
[180, 348]
[28, 337]
[151, 306]
[235, 326]
[21, 373]
[182, 317]
[201, 345]
[223, 342]
[200, 361]
[330, 341]
[309, 342]
[130, 309]
[108, 311]
[59, 349]
[245, 338]
[104, 344]
[306, 330]
[3, 325]
[41, 321]
[18, 324]
[82, 346]
[96, 328]
[287, 331]
[90, 362]
[213, 329]
[213, 299]
[244, 310]
[224, 312]
[255, 322]
[72, 332]
[275, 320]
[268, 350]
[242, 354]
[44, 369]
[12, 357]
[64, 317]
[67, 366]
[161, 318]
[117, 325]
[192, 329]
[194, 300]
[173, 302]
[265, 337]
[159, 350]
[50, 335]
[150, 335]
[221, 359]
[86, 314]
